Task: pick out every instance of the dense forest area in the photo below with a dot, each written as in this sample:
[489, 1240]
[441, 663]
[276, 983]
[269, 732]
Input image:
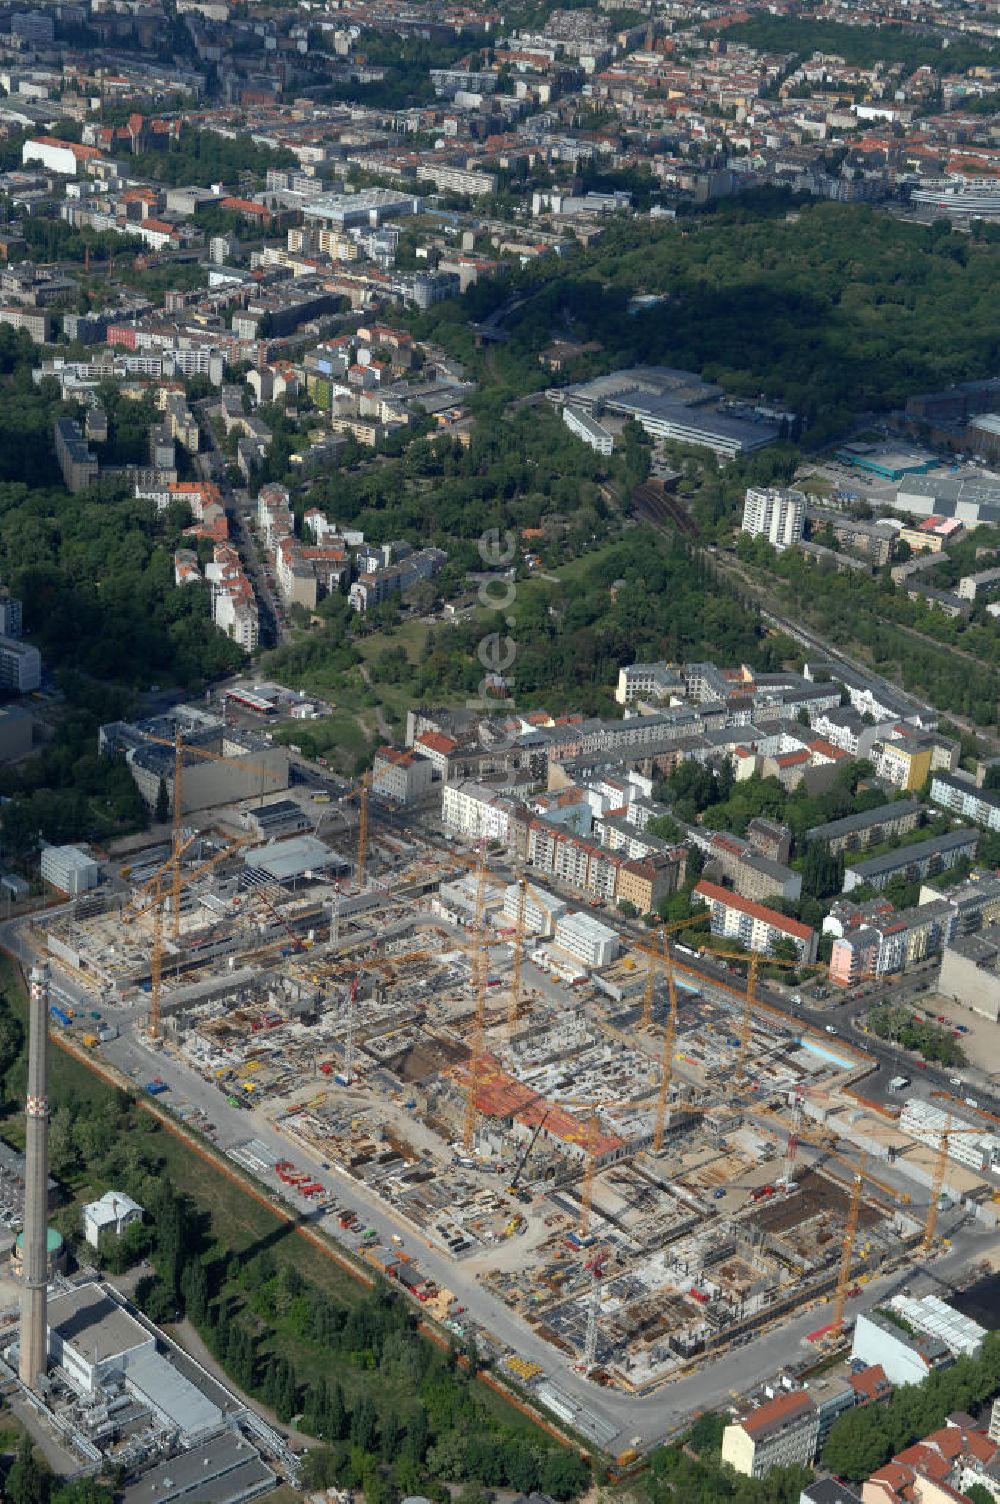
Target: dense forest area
[640, 599]
[911, 641]
[862, 46]
[202, 157]
[831, 309]
[94, 571]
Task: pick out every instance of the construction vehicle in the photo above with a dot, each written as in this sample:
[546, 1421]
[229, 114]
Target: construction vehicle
[515, 1188]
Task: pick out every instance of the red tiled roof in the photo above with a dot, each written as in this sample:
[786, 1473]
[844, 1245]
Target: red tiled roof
[714, 894]
[777, 1412]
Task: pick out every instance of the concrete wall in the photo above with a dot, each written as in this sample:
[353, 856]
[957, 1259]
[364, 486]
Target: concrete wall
[967, 983]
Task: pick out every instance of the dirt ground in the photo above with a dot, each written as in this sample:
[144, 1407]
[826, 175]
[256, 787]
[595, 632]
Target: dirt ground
[981, 1044]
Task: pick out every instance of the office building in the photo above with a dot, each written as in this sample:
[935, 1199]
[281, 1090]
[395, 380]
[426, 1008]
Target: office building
[781, 1433]
[777, 515]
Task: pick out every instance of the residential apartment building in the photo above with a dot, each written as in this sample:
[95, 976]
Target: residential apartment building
[439, 750]
[538, 910]
[20, 666]
[774, 514]
[869, 827]
[962, 798]
[574, 860]
[758, 928]
[585, 938]
[985, 584]
[885, 941]
[77, 462]
[923, 859]
[781, 1433]
[752, 875]
[475, 812]
[647, 881]
[377, 585]
[906, 757]
[400, 776]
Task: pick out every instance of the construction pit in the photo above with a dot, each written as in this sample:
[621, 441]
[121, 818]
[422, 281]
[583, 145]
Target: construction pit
[633, 1229]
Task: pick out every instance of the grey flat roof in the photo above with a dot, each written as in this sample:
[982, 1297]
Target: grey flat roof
[224, 1470]
[894, 861]
[863, 820]
[291, 858]
[160, 1386]
[94, 1325]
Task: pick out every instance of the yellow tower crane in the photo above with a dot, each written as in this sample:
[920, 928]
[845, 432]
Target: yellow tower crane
[480, 977]
[948, 1132]
[847, 1245]
[154, 899]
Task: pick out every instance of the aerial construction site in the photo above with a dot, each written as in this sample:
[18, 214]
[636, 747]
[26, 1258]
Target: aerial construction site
[640, 1164]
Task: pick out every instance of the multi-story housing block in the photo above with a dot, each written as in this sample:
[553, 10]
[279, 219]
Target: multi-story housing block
[475, 812]
[963, 798]
[758, 928]
[869, 827]
[777, 515]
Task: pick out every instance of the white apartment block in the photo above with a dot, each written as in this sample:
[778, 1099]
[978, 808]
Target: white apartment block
[779, 516]
[584, 937]
[755, 926]
[475, 812]
[542, 910]
[588, 429]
